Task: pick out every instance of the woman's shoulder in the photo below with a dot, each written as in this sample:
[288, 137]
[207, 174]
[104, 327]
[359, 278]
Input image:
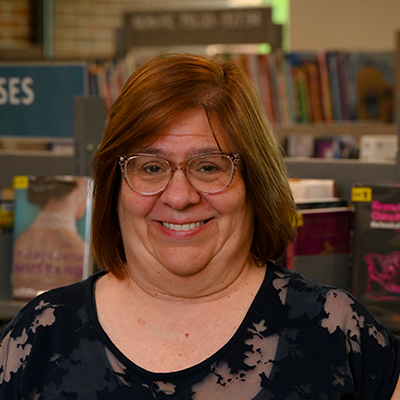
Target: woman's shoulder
[332, 308]
[285, 280]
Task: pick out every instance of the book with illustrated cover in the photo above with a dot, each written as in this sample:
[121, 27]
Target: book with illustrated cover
[51, 233]
[376, 251]
[373, 74]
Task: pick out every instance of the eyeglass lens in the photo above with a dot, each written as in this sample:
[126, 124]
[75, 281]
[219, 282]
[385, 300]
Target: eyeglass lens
[207, 173]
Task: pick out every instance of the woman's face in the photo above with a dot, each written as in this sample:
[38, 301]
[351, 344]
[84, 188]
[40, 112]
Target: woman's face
[220, 225]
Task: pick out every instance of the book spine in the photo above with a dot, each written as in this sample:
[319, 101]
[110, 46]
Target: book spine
[332, 63]
[266, 87]
[315, 92]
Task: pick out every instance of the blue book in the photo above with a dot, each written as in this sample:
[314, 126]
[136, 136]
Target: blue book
[51, 233]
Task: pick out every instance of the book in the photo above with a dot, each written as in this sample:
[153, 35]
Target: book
[315, 91]
[324, 222]
[376, 254]
[300, 81]
[266, 89]
[273, 78]
[374, 77]
[325, 86]
[291, 93]
[300, 145]
[378, 147]
[51, 233]
[282, 90]
[322, 249]
[313, 190]
[344, 84]
[336, 147]
[332, 64]
[6, 241]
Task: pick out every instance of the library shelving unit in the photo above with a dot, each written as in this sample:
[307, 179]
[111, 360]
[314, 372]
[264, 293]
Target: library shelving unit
[88, 129]
[88, 132]
[346, 172]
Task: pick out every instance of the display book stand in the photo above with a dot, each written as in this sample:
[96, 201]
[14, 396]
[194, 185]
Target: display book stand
[88, 130]
[89, 126]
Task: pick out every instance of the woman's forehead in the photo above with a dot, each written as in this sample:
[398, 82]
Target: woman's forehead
[192, 130]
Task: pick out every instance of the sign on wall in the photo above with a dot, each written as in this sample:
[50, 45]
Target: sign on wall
[201, 27]
[37, 100]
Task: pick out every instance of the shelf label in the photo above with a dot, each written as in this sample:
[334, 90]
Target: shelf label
[298, 220]
[20, 182]
[361, 194]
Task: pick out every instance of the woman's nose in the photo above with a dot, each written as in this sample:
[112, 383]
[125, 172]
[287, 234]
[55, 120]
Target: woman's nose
[179, 193]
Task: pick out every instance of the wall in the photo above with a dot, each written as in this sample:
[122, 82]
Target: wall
[86, 28]
[82, 28]
[344, 24]
[15, 23]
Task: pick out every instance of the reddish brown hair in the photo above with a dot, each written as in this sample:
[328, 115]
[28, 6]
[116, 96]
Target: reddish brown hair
[153, 96]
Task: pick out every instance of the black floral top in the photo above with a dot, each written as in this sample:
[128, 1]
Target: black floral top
[299, 340]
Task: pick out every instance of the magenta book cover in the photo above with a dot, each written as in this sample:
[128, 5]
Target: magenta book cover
[325, 231]
[321, 250]
[376, 250]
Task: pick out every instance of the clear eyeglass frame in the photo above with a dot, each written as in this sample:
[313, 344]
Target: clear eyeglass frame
[124, 159]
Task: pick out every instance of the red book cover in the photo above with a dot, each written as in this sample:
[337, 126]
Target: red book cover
[322, 247]
[266, 87]
[325, 86]
[315, 92]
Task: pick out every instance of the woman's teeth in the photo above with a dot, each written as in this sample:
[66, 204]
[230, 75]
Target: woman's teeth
[185, 227]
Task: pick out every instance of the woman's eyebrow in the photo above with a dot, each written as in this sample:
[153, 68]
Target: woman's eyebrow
[191, 152]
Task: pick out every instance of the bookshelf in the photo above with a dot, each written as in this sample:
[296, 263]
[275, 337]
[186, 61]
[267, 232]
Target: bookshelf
[89, 125]
[345, 172]
[355, 128]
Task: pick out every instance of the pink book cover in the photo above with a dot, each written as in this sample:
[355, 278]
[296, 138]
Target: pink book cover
[376, 250]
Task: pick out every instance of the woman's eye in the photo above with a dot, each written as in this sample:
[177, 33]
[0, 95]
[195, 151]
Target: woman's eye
[208, 168]
[152, 169]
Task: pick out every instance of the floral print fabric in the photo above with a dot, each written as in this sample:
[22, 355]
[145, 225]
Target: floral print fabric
[299, 340]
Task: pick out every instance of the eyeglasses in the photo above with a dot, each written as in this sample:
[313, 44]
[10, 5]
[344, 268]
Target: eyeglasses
[149, 174]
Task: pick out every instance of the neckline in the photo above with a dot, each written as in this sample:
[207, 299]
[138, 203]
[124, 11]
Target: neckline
[130, 365]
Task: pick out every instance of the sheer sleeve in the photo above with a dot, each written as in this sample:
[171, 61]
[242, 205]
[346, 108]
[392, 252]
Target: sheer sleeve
[373, 351]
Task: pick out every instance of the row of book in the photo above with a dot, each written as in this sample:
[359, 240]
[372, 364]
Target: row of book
[295, 87]
[106, 79]
[324, 86]
[353, 245]
[367, 148]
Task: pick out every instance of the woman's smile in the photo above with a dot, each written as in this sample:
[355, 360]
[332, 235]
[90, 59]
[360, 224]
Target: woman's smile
[182, 227]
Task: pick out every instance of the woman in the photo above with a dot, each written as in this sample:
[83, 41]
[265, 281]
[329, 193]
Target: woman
[191, 204]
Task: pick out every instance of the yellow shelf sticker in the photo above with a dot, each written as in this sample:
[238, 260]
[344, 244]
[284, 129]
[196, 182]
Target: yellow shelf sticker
[20, 182]
[359, 194]
[298, 220]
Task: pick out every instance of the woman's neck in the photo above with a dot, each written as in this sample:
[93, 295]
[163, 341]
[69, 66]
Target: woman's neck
[205, 286]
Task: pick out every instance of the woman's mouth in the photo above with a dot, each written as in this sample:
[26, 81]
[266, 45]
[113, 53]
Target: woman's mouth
[183, 227]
